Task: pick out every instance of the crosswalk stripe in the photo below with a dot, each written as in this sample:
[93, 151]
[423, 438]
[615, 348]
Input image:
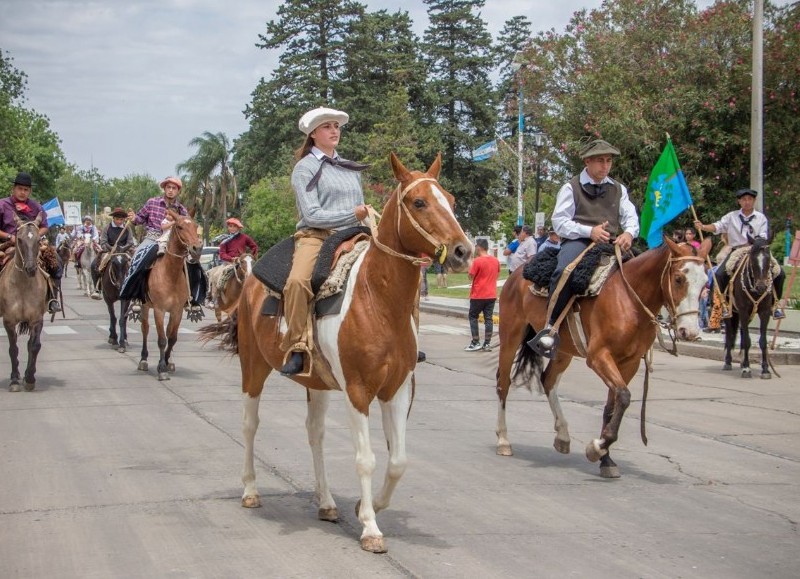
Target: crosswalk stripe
[443, 329]
[58, 330]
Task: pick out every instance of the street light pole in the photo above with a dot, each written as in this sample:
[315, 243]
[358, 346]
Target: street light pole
[520, 132]
[757, 106]
[538, 141]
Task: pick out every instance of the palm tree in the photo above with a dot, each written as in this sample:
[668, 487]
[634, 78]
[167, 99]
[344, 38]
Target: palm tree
[209, 173]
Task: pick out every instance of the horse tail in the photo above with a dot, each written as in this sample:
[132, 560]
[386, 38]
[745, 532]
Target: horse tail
[23, 328]
[226, 331]
[528, 365]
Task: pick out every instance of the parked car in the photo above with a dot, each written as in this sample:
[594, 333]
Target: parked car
[209, 257]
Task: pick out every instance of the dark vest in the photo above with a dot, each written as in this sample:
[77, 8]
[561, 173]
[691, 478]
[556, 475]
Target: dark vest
[594, 211]
[112, 233]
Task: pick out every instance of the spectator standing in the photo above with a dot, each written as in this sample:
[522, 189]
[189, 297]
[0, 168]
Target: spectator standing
[441, 275]
[484, 272]
[541, 235]
[513, 244]
[526, 250]
[553, 241]
[689, 237]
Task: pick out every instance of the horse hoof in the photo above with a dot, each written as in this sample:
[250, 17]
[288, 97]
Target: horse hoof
[747, 373]
[29, 386]
[121, 349]
[163, 376]
[330, 514]
[504, 450]
[143, 366]
[13, 387]
[561, 446]
[727, 367]
[251, 502]
[112, 341]
[609, 472]
[594, 452]
[373, 544]
[766, 376]
[171, 367]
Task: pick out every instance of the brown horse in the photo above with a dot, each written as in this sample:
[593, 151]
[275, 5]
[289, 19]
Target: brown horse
[619, 326]
[23, 300]
[64, 251]
[752, 293]
[226, 298]
[168, 291]
[369, 350]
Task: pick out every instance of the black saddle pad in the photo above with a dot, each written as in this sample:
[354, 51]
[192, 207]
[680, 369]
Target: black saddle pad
[273, 268]
[540, 269]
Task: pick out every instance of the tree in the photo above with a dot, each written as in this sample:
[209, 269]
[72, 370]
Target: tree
[459, 56]
[271, 213]
[27, 142]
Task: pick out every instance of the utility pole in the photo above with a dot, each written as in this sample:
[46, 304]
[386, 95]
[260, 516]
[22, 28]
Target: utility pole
[757, 106]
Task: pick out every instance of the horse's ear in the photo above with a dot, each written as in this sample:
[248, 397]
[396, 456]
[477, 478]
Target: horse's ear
[399, 170]
[750, 239]
[436, 166]
[673, 247]
[38, 219]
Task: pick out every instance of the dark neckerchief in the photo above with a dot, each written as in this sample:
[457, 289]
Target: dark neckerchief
[351, 165]
[746, 222]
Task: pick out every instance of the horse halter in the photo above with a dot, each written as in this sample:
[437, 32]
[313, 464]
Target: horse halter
[441, 249]
[671, 308]
[177, 232]
[18, 254]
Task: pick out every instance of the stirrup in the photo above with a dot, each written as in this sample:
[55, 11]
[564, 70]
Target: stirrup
[53, 307]
[194, 313]
[536, 345]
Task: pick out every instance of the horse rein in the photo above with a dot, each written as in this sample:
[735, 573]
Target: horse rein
[441, 249]
[671, 308]
[747, 268]
[18, 254]
[184, 243]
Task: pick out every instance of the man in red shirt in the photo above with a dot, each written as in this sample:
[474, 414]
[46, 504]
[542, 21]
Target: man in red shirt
[237, 243]
[482, 295]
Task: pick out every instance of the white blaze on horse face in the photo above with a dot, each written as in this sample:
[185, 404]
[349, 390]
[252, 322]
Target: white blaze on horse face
[688, 325]
[440, 197]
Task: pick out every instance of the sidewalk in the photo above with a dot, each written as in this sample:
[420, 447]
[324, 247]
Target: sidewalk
[710, 346]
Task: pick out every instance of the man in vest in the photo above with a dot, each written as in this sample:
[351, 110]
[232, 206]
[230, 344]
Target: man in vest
[117, 237]
[590, 207]
[737, 225]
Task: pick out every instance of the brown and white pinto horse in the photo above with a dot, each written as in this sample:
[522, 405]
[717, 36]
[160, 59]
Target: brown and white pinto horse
[369, 349]
[168, 291]
[620, 327]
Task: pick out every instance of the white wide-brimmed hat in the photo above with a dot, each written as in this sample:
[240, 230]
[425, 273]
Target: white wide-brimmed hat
[315, 117]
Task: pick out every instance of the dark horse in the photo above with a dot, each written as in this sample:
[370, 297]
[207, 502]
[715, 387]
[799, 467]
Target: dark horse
[111, 283]
[619, 325]
[64, 251]
[368, 350]
[751, 291]
[23, 300]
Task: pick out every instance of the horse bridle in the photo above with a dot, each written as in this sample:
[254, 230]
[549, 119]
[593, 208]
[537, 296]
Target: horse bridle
[441, 249]
[184, 243]
[748, 270]
[18, 254]
[671, 327]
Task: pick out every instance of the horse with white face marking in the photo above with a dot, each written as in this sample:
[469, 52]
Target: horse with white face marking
[368, 351]
[619, 326]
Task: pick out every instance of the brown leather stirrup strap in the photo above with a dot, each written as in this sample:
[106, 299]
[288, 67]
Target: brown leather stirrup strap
[565, 275]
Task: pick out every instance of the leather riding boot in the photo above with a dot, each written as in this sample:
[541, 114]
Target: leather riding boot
[294, 365]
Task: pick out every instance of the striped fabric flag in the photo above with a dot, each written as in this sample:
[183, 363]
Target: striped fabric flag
[667, 197]
[52, 209]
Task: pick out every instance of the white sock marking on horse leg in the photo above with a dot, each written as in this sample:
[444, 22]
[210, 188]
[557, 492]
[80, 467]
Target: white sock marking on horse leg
[561, 427]
[394, 415]
[365, 466]
[249, 427]
[315, 425]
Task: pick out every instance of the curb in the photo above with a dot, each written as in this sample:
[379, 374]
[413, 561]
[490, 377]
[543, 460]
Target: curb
[779, 358]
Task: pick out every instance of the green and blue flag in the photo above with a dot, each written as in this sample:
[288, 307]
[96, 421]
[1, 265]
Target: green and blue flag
[667, 197]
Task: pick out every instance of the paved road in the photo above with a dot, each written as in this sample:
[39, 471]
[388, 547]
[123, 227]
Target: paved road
[108, 473]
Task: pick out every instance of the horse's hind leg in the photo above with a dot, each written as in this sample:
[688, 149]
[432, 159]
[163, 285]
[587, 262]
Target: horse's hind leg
[394, 414]
[13, 354]
[34, 346]
[371, 536]
[315, 426]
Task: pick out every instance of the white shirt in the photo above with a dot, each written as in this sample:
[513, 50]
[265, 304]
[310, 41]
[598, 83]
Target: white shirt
[526, 250]
[564, 212]
[732, 225]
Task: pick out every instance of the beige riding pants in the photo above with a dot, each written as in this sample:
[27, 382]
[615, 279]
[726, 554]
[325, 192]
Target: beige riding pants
[297, 293]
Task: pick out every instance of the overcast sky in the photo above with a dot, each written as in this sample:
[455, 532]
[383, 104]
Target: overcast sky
[128, 83]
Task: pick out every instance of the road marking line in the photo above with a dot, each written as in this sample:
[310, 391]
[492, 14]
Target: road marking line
[58, 330]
